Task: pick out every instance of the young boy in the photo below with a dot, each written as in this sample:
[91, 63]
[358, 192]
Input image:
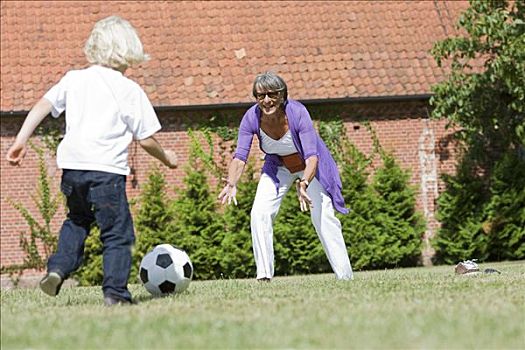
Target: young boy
[105, 112]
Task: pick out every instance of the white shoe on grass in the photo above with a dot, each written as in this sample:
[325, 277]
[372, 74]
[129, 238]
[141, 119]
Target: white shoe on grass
[467, 267]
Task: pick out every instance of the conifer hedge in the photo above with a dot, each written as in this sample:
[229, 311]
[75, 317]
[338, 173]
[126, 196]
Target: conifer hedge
[382, 230]
[481, 217]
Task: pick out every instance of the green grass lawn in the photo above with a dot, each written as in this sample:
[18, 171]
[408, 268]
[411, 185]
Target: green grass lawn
[419, 308]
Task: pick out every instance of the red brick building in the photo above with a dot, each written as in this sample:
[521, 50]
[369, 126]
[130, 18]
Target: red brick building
[365, 60]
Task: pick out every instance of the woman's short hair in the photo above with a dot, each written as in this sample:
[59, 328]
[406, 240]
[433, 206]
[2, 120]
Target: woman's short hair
[114, 43]
[270, 81]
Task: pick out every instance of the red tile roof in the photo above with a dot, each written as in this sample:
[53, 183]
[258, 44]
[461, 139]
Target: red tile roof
[210, 52]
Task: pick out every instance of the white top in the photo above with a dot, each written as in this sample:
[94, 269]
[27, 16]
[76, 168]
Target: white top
[282, 147]
[105, 112]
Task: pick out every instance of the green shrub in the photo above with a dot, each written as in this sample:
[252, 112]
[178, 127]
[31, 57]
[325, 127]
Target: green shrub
[91, 272]
[505, 219]
[483, 218]
[197, 226]
[236, 247]
[152, 218]
[401, 227]
[361, 224]
[482, 208]
[41, 241]
[383, 228]
[460, 211]
[297, 246]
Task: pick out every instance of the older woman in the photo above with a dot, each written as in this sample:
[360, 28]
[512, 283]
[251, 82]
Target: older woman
[294, 153]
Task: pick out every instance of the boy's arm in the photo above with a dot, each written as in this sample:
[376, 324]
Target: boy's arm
[17, 151]
[151, 145]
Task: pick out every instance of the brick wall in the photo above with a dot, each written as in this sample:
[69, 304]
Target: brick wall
[404, 128]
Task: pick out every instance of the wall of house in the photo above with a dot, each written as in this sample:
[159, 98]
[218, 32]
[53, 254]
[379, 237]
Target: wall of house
[419, 143]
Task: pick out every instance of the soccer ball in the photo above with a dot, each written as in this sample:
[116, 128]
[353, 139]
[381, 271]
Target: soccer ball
[166, 270]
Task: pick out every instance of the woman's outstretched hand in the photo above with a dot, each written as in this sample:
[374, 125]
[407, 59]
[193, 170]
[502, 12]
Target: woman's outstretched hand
[304, 200]
[228, 194]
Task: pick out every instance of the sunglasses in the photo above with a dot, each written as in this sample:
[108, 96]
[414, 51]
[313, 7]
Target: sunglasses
[272, 95]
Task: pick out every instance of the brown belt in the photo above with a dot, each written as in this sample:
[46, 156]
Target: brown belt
[293, 162]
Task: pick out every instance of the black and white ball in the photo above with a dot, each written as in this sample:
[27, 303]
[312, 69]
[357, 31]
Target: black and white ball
[166, 270]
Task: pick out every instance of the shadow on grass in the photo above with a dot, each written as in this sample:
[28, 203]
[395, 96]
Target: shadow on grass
[144, 298]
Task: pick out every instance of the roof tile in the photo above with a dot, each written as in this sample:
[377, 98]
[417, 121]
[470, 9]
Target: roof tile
[207, 52]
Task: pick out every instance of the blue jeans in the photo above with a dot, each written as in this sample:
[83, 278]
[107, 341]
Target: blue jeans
[101, 197]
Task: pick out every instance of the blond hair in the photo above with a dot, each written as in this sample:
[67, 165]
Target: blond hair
[114, 43]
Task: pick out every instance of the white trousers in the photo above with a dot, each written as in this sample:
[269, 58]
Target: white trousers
[328, 227]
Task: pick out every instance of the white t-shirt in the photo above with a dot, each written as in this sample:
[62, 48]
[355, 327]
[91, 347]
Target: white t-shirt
[282, 147]
[105, 111]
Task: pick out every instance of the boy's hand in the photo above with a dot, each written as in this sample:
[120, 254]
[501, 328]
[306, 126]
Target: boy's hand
[16, 153]
[172, 159]
[167, 157]
[18, 150]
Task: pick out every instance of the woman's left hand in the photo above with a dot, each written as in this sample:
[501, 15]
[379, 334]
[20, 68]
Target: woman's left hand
[304, 200]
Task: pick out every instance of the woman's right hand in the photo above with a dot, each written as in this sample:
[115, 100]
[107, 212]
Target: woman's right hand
[228, 194]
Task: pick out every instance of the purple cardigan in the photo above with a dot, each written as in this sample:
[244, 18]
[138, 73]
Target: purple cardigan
[305, 139]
